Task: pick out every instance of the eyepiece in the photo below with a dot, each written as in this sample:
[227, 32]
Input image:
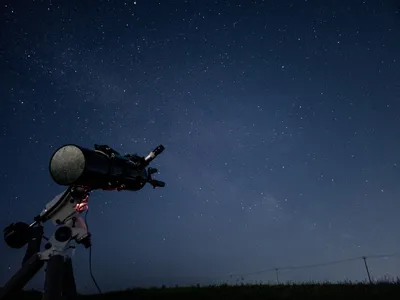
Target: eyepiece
[158, 150]
[153, 154]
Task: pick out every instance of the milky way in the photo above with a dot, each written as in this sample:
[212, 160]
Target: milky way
[280, 121]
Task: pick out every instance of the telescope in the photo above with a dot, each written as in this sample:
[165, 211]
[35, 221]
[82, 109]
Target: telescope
[82, 170]
[102, 168]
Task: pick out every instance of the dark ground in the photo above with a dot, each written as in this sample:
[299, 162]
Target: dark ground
[248, 292]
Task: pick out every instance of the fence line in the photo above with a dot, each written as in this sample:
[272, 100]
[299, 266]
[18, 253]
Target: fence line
[307, 266]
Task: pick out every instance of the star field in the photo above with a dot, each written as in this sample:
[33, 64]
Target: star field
[280, 121]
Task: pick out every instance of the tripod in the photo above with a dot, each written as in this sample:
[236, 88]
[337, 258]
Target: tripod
[59, 283]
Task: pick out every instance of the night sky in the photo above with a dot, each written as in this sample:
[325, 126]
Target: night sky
[281, 122]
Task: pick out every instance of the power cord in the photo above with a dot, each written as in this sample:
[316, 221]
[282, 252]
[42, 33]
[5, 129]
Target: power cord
[90, 256]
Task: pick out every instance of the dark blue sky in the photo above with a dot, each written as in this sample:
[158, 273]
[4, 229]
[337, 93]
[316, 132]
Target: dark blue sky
[281, 122]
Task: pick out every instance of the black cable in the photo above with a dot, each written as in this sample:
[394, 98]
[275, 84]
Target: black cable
[90, 256]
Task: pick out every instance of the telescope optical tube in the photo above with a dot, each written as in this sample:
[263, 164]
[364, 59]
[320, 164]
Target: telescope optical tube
[74, 165]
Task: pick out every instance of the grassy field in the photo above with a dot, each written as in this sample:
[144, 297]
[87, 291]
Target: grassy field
[325, 291]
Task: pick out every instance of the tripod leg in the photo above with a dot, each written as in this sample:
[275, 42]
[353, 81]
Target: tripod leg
[54, 278]
[22, 277]
[69, 286]
[34, 242]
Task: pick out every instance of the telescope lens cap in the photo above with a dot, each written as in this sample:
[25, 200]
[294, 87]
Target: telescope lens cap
[67, 165]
